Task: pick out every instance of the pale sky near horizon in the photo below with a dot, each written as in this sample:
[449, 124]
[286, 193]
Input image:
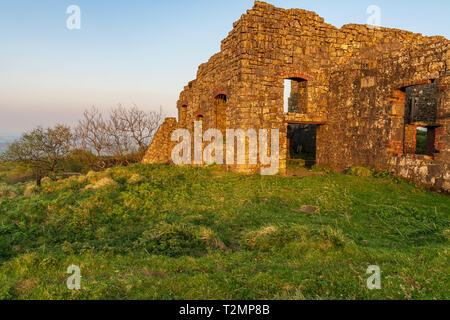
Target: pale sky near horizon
[140, 52]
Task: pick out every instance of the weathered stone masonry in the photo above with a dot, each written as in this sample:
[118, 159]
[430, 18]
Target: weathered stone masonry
[357, 83]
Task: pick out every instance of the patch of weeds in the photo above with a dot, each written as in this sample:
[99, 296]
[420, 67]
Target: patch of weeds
[273, 237]
[172, 240]
[360, 171]
[336, 237]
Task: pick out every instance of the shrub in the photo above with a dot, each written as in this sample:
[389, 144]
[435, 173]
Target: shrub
[91, 176]
[172, 240]
[79, 161]
[31, 190]
[210, 238]
[102, 183]
[336, 237]
[272, 237]
[46, 181]
[18, 175]
[135, 178]
[360, 171]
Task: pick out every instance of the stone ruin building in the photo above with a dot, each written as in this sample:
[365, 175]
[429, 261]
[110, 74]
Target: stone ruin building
[358, 95]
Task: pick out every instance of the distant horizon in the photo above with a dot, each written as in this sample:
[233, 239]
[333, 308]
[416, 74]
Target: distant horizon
[140, 52]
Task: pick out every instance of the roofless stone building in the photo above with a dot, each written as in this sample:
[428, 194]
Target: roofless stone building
[358, 95]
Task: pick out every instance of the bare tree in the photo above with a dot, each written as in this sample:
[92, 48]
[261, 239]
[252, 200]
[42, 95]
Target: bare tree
[139, 125]
[42, 149]
[120, 145]
[122, 137]
[91, 133]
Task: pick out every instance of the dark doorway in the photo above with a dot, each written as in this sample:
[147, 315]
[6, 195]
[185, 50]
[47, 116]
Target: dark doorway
[302, 142]
[421, 140]
[220, 103]
[425, 138]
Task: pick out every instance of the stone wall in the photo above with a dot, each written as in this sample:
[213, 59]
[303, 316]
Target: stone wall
[161, 148]
[369, 115]
[354, 81]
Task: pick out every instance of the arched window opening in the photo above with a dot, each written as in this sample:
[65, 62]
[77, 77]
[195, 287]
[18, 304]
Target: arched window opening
[220, 105]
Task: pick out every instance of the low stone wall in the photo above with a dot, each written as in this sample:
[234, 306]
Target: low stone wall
[422, 170]
[161, 148]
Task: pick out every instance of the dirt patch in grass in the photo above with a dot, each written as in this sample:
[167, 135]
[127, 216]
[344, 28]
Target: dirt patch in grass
[25, 286]
[302, 172]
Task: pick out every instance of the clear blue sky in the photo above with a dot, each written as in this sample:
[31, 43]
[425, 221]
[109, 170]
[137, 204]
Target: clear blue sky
[140, 51]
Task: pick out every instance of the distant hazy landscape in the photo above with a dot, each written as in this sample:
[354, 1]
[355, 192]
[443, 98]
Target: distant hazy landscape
[6, 139]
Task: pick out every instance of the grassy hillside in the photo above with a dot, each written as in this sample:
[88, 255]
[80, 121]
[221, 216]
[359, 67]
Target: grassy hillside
[160, 232]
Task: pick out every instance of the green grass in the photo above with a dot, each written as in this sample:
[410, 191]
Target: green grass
[421, 142]
[187, 233]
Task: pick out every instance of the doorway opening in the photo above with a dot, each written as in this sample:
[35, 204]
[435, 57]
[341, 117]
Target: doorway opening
[220, 104]
[425, 139]
[302, 143]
